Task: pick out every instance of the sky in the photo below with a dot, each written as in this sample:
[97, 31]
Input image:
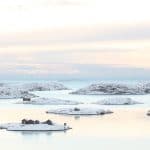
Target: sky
[74, 39]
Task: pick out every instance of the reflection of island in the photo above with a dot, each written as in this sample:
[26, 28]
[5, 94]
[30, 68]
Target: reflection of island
[47, 133]
[76, 117]
[26, 133]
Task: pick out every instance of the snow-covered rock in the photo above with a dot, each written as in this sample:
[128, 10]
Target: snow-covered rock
[113, 89]
[34, 127]
[117, 101]
[48, 101]
[9, 93]
[146, 88]
[79, 111]
[42, 86]
[20, 90]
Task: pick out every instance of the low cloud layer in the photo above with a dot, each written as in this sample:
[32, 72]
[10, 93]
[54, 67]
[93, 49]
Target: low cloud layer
[102, 64]
[76, 71]
[75, 35]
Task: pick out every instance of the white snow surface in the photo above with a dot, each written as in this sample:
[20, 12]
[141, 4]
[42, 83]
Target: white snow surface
[79, 111]
[33, 127]
[114, 89]
[42, 86]
[117, 101]
[10, 93]
[49, 101]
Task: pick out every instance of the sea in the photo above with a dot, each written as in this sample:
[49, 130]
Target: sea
[128, 128]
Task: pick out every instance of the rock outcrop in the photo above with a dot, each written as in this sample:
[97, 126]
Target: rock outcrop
[114, 89]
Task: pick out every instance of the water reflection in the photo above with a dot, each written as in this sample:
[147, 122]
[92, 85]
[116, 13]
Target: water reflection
[27, 133]
[78, 117]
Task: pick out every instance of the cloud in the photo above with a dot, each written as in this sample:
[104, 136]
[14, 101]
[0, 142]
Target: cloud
[62, 38]
[76, 71]
[123, 57]
[113, 72]
[76, 35]
[25, 5]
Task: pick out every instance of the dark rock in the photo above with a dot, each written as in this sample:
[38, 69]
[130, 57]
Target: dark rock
[65, 124]
[76, 109]
[30, 122]
[102, 113]
[26, 99]
[148, 113]
[49, 122]
[36, 122]
[24, 121]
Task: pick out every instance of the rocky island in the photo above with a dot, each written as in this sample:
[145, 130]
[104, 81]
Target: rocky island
[79, 111]
[34, 125]
[114, 89]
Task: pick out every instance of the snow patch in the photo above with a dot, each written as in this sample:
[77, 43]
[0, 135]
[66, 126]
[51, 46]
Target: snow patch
[117, 101]
[49, 101]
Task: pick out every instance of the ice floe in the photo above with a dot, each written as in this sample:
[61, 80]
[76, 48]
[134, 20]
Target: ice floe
[117, 101]
[79, 111]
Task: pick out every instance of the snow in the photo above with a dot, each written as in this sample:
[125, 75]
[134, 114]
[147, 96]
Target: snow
[117, 101]
[33, 127]
[48, 101]
[42, 86]
[20, 90]
[10, 93]
[79, 111]
[114, 89]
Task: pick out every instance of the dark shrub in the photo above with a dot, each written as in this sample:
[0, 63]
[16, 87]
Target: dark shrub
[49, 122]
[30, 122]
[24, 121]
[37, 122]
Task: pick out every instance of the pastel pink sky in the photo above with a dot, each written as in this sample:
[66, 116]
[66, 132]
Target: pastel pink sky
[58, 37]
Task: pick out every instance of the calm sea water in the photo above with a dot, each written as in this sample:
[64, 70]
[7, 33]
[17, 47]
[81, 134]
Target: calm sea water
[128, 128]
